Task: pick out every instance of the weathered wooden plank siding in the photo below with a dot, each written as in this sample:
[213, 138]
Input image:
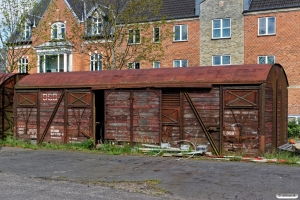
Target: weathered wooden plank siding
[146, 116]
[47, 101]
[26, 124]
[269, 118]
[207, 103]
[241, 130]
[79, 124]
[117, 115]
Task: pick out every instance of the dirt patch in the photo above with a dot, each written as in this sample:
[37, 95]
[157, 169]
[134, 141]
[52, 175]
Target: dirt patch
[147, 187]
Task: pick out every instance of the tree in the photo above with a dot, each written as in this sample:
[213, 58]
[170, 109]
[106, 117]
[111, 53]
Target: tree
[17, 19]
[122, 30]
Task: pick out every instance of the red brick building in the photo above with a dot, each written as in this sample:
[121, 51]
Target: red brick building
[272, 36]
[60, 40]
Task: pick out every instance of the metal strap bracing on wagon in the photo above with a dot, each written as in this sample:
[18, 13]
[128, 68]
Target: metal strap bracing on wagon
[52, 117]
[201, 123]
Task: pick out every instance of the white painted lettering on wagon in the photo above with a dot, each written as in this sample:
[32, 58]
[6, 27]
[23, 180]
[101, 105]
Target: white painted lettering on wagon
[49, 97]
[55, 132]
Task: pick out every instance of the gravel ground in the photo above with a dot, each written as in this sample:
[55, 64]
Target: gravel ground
[49, 174]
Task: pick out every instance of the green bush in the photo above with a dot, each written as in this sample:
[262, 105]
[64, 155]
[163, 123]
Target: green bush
[294, 129]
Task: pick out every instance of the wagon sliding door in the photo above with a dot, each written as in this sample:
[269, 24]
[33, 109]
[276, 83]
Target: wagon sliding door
[26, 118]
[132, 116]
[79, 116]
[241, 120]
[54, 115]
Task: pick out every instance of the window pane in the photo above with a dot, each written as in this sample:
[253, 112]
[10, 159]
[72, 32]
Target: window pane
[137, 36]
[271, 25]
[184, 32]
[271, 60]
[261, 60]
[226, 60]
[41, 64]
[55, 32]
[156, 64]
[130, 65]
[130, 38]
[184, 63]
[177, 33]
[262, 26]
[226, 32]
[176, 63]
[156, 34]
[216, 23]
[226, 23]
[216, 60]
[217, 33]
[63, 33]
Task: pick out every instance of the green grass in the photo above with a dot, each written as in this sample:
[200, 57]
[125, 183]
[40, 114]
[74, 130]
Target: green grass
[284, 157]
[87, 145]
[125, 149]
[116, 149]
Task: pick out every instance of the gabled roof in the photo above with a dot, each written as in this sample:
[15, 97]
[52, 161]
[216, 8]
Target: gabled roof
[273, 4]
[171, 9]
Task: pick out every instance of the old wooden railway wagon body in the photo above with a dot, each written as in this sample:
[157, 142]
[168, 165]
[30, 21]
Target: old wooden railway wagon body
[7, 83]
[234, 108]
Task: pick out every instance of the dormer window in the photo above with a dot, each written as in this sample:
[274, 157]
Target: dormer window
[97, 27]
[58, 31]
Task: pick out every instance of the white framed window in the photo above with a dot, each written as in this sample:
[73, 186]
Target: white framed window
[26, 31]
[97, 27]
[266, 26]
[221, 60]
[134, 65]
[58, 31]
[96, 62]
[156, 64]
[156, 34]
[181, 32]
[180, 63]
[266, 59]
[134, 36]
[23, 65]
[221, 28]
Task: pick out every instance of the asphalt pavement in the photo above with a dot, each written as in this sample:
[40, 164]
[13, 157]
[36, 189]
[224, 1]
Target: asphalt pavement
[56, 174]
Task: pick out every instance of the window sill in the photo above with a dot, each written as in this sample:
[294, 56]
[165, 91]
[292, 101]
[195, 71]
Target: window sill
[96, 37]
[131, 44]
[221, 65]
[266, 35]
[180, 40]
[221, 38]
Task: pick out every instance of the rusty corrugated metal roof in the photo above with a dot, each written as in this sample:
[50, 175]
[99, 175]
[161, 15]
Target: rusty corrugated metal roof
[143, 78]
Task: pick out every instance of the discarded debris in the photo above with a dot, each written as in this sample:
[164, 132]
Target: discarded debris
[186, 148]
[292, 146]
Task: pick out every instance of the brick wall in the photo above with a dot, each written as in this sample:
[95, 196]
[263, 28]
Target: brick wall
[183, 50]
[284, 45]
